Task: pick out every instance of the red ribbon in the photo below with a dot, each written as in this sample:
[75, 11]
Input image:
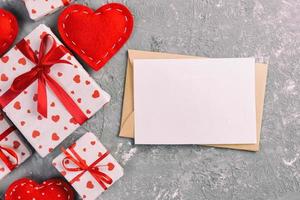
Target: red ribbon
[93, 169]
[66, 2]
[43, 62]
[8, 150]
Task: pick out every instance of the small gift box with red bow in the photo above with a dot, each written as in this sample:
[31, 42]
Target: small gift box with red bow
[40, 8]
[13, 150]
[45, 91]
[88, 166]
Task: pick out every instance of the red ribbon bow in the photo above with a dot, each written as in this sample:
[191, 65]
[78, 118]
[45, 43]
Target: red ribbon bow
[8, 150]
[43, 62]
[93, 169]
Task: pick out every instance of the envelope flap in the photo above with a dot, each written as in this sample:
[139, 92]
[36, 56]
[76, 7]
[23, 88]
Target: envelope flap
[127, 126]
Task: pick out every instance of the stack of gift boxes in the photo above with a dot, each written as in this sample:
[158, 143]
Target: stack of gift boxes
[47, 94]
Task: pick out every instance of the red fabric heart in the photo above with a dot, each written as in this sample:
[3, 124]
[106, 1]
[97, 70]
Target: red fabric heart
[95, 36]
[27, 189]
[8, 29]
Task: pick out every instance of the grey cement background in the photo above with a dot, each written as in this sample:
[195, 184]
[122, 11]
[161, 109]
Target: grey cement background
[266, 29]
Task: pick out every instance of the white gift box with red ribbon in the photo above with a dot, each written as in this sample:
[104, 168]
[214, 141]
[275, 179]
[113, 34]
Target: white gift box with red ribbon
[88, 166]
[40, 8]
[13, 150]
[60, 95]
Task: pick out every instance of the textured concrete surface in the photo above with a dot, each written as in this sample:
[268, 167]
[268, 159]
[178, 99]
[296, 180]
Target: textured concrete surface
[266, 29]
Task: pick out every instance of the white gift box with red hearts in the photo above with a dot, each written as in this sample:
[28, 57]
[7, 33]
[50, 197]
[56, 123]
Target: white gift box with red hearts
[40, 8]
[45, 133]
[90, 149]
[13, 142]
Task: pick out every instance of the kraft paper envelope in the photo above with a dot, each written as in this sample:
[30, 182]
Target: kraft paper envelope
[127, 120]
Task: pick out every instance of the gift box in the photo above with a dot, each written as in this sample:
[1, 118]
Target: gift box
[13, 150]
[40, 8]
[88, 166]
[45, 91]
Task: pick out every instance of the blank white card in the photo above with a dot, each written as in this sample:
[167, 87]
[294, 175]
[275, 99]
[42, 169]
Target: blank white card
[192, 101]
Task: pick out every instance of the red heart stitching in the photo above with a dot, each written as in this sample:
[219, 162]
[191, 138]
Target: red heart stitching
[27, 189]
[95, 36]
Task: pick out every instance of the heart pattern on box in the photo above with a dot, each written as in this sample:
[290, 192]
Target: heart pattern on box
[27, 189]
[38, 9]
[90, 148]
[84, 91]
[9, 31]
[95, 36]
[14, 142]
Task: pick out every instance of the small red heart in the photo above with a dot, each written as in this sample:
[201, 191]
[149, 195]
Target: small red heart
[27, 189]
[4, 59]
[22, 61]
[33, 11]
[4, 77]
[9, 31]
[55, 118]
[96, 94]
[17, 105]
[22, 123]
[2, 169]
[55, 137]
[59, 74]
[87, 82]
[35, 133]
[73, 121]
[52, 104]
[93, 142]
[76, 79]
[110, 166]
[16, 144]
[63, 173]
[90, 185]
[35, 97]
[95, 36]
